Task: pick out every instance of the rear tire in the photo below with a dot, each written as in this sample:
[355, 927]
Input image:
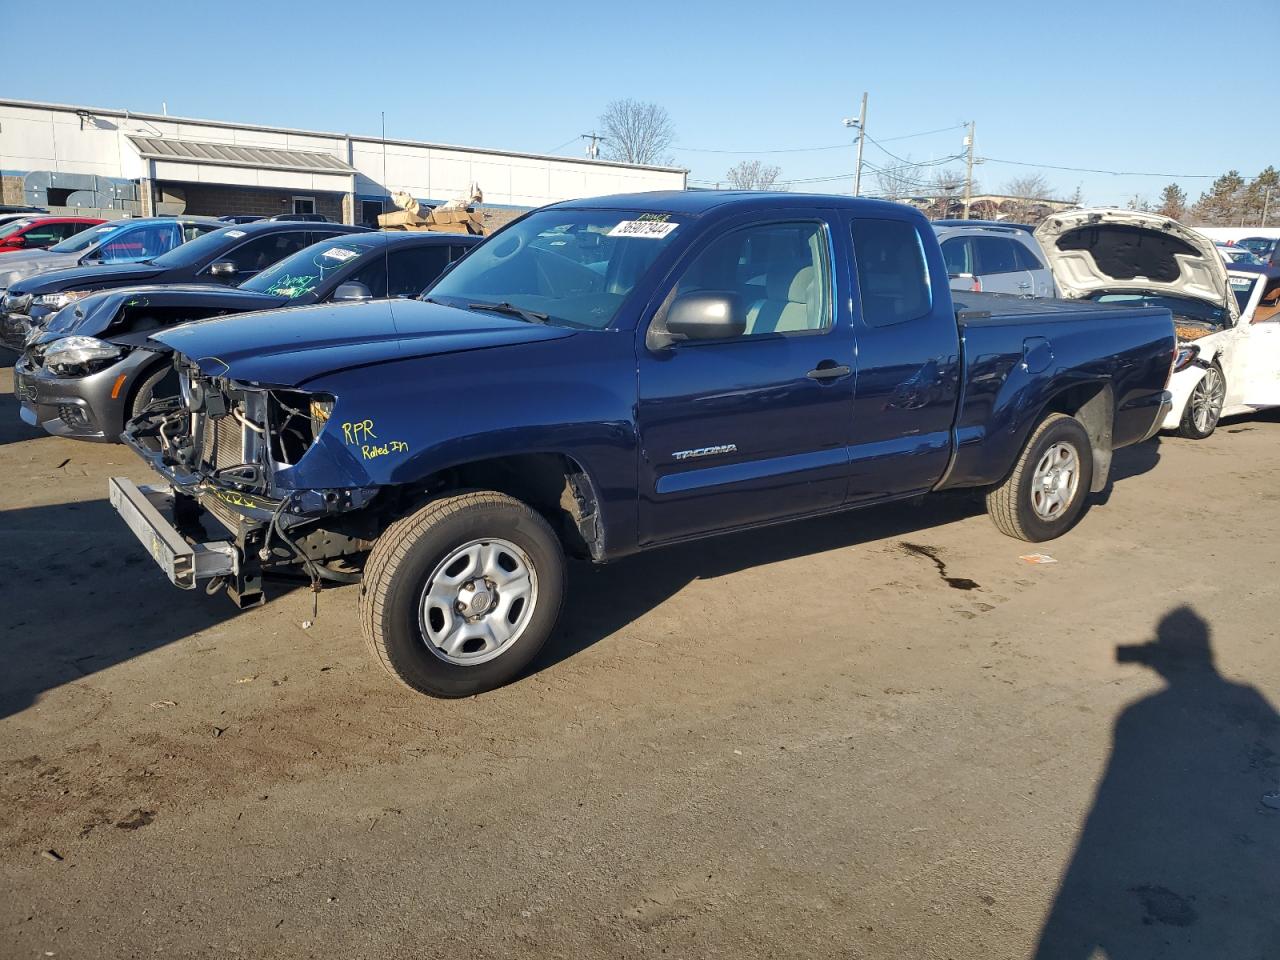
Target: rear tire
[460, 596]
[1204, 406]
[1044, 495]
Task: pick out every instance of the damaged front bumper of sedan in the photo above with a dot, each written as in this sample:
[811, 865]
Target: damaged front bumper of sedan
[220, 518]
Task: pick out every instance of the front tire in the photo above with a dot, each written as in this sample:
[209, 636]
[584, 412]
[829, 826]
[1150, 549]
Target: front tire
[1043, 496]
[460, 596]
[1204, 406]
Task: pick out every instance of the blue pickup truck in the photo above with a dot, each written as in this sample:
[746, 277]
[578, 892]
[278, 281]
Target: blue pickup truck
[608, 375]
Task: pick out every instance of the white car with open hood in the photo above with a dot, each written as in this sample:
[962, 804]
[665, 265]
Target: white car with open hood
[1228, 320]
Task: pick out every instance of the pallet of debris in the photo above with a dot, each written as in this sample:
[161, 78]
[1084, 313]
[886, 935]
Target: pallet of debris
[456, 216]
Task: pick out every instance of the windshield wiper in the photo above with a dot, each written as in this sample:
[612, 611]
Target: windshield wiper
[532, 316]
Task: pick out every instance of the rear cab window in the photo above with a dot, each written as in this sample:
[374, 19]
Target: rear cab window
[893, 274]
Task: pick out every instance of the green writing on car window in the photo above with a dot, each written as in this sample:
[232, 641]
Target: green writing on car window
[290, 286]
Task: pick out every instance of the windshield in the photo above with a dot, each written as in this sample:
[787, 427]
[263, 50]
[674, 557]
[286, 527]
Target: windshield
[300, 274]
[201, 248]
[87, 238]
[8, 229]
[576, 267]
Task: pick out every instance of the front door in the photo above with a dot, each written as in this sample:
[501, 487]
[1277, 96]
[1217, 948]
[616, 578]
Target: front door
[1258, 354]
[752, 427]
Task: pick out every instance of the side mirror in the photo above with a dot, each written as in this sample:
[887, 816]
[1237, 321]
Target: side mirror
[706, 316]
[352, 290]
[222, 268]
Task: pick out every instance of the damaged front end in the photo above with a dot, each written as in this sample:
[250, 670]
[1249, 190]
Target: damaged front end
[225, 516]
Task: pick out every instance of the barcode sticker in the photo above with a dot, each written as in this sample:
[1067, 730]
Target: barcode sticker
[235, 233]
[648, 229]
[339, 253]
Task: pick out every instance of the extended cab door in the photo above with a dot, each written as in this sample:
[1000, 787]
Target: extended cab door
[908, 358]
[750, 427]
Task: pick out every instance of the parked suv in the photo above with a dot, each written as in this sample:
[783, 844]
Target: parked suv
[228, 255]
[993, 259]
[37, 232]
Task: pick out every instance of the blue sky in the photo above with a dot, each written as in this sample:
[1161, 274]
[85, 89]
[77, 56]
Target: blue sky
[1113, 86]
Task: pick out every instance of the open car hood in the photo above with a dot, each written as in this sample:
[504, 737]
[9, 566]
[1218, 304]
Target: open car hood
[1119, 250]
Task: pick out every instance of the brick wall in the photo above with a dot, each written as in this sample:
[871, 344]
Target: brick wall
[495, 218]
[11, 190]
[214, 200]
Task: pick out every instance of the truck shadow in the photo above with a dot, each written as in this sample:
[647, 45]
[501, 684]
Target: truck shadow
[605, 599]
[80, 595]
[1177, 857]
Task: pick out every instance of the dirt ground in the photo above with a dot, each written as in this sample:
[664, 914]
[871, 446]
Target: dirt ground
[806, 742]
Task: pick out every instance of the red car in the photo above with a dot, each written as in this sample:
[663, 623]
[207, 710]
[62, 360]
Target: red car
[39, 231]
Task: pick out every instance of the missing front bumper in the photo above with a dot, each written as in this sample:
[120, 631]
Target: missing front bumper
[184, 563]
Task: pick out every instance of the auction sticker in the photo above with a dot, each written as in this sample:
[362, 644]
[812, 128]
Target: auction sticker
[235, 233]
[339, 253]
[647, 229]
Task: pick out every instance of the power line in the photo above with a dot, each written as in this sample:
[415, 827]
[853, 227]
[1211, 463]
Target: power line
[834, 146]
[1114, 173]
[563, 145]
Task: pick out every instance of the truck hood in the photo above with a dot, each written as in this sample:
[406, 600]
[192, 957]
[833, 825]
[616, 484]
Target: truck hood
[289, 347]
[17, 266]
[97, 313]
[63, 277]
[1119, 250]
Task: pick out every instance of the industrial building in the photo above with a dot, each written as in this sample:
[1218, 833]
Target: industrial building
[117, 163]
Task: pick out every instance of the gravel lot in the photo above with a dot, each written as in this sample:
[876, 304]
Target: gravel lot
[802, 742]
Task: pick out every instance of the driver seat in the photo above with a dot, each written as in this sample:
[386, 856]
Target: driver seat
[788, 305]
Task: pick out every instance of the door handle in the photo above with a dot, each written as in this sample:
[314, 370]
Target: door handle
[828, 370]
[1024, 286]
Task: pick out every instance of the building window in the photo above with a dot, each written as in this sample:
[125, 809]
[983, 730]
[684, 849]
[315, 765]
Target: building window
[304, 204]
[370, 210]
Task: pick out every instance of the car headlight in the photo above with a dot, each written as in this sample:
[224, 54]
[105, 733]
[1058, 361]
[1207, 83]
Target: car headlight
[60, 300]
[1185, 356]
[72, 356]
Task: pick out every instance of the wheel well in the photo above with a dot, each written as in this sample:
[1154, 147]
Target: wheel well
[141, 376]
[1093, 404]
[554, 485]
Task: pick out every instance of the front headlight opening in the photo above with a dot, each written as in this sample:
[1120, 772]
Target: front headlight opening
[76, 356]
[297, 420]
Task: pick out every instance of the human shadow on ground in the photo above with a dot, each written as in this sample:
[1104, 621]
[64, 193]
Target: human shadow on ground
[1178, 858]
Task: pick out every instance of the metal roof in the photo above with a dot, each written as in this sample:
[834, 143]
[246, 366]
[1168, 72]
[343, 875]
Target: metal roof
[234, 155]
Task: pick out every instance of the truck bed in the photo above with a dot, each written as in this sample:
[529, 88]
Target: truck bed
[1019, 352]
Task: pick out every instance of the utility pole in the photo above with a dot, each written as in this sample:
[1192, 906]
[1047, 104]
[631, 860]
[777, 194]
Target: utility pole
[593, 150]
[861, 124]
[968, 175]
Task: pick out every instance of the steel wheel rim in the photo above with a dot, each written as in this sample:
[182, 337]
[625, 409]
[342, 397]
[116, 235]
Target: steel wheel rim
[1206, 400]
[1055, 480]
[477, 602]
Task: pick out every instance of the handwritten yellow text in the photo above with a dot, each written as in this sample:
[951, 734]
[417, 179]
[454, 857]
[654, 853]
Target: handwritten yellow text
[370, 452]
[354, 432]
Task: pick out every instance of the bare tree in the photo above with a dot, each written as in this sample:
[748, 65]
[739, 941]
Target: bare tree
[1026, 191]
[1138, 203]
[945, 187]
[753, 175]
[899, 180]
[636, 132]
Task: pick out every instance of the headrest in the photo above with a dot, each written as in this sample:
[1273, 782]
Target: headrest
[794, 287]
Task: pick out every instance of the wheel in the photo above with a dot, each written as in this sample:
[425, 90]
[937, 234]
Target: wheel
[458, 597]
[1043, 497]
[159, 383]
[1204, 406]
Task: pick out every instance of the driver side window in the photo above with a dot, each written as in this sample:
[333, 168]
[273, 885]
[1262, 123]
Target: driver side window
[775, 273]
